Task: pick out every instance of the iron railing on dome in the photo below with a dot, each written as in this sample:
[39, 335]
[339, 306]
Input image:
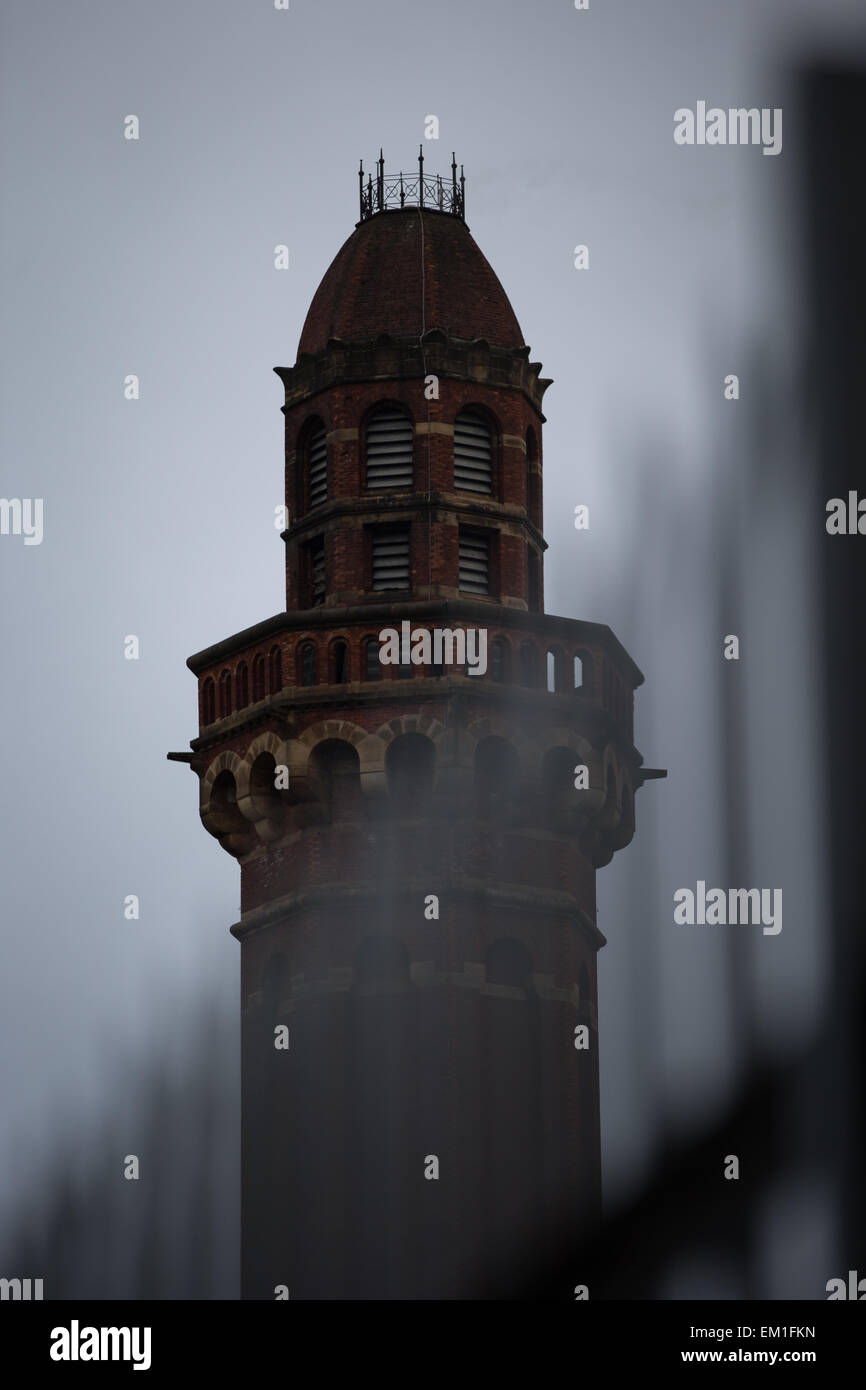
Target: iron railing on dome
[388, 191]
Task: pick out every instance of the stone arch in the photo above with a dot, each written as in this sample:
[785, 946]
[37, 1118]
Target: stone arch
[411, 724]
[342, 729]
[263, 804]
[225, 761]
[369, 750]
[221, 789]
[494, 726]
[560, 737]
[268, 742]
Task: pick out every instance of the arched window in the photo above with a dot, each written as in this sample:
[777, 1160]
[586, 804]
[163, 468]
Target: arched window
[224, 818]
[225, 694]
[497, 770]
[528, 664]
[315, 455]
[508, 963]
[307, 664]
[533, 479]
[389, 440]
[533, 590]
[242, 686]
[607, 685]
[337, 769]
[258, 677]
[558, 776]
[372, 667]
[555, 672]
[339, 662]
[500, 659]
[610, 793]
[275, 664]
[208, 702]
[473, 453]
[275, 977]
[583, 673]
[583, 989]
[410, 764]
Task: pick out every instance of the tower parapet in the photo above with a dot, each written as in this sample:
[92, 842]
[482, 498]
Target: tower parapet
[392, 191]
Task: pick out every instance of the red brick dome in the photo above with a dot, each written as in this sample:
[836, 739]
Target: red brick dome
[374, 284]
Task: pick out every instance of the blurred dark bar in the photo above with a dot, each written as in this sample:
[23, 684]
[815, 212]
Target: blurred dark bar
[835, 268]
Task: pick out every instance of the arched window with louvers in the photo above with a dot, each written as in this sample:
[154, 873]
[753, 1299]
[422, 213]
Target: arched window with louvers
[473, 453]
[388, 449]
[314, 453]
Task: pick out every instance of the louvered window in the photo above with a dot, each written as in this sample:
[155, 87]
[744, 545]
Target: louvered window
[389, 449]
[473, 454]
[474, 563]
[391, 560]
[317, 466]
[317, 572]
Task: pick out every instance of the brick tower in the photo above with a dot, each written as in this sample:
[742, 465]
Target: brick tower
[418, 927]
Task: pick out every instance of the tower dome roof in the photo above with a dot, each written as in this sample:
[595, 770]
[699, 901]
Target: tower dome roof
[398, 261]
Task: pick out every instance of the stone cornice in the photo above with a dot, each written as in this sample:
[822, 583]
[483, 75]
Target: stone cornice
[435, 353]
[409, 506]
[515, 896]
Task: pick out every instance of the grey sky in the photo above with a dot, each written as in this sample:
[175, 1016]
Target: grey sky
[156, 258]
